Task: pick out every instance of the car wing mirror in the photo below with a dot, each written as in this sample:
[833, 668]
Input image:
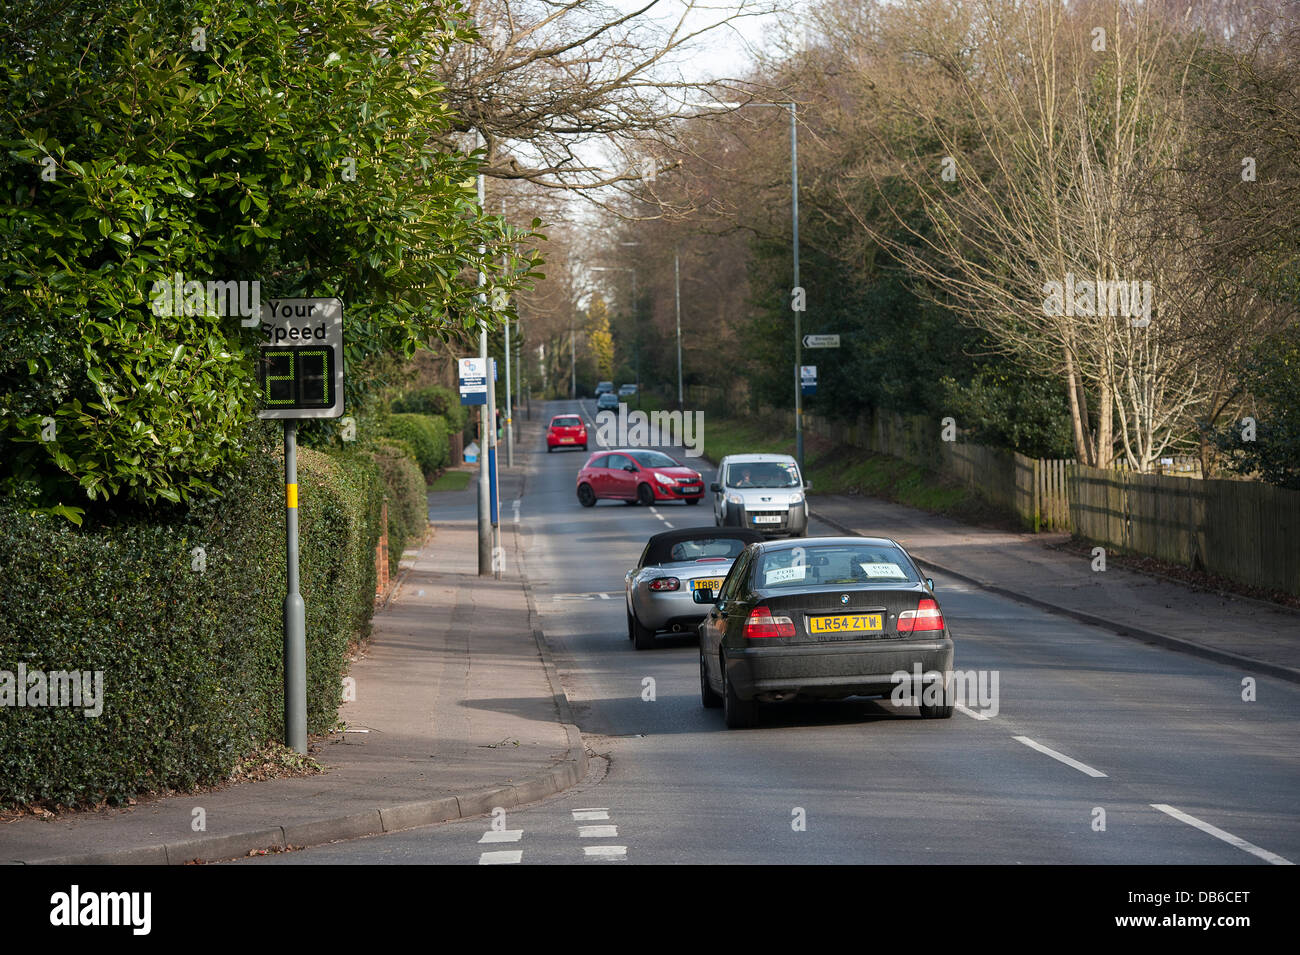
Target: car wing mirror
[630, 467]
[704, 595]
[715, 487]
[929, 582]
[807, 485]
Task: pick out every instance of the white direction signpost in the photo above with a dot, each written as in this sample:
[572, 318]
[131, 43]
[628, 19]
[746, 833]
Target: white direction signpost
[821, 341]
[300, 374]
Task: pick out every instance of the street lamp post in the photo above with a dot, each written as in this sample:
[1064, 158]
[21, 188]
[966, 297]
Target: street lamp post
[794, 215]
[677, 289]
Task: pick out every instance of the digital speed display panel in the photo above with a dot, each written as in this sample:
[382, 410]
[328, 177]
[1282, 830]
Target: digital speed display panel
[300, 378]
[300, 369]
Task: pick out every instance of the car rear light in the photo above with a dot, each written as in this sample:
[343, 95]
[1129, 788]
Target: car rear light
[665, 583]
[761, 624]
[926, 616]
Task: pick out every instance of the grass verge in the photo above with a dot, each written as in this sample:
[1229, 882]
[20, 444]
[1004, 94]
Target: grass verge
[451, 481]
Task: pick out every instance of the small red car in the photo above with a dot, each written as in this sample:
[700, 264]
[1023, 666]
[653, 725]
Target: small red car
[637, 476]
[566, 431]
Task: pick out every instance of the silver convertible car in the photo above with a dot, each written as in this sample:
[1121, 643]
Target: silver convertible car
[672, 567]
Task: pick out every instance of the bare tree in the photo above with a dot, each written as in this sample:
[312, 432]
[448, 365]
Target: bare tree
[563, 91]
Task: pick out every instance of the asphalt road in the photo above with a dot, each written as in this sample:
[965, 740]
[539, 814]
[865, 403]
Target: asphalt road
[1086, 722]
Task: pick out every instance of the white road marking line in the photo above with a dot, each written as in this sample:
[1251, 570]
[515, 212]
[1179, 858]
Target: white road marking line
[515, 505]
[603, 596]
[584, 815]
[502, 857]
[502, 835]
[1081, 767]
[597, 832]
[605, 852]
[971, 713]
[1218, 833]
[593, 809]
[666, 524]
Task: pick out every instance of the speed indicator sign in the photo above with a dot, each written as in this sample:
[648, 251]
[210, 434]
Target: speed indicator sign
[300, 368]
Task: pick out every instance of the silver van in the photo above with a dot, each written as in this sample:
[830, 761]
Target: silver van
[764, 492]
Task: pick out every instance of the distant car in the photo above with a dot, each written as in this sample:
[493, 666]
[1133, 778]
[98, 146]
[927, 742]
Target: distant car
[566, 431]
[637, 476]
[672, 567]
[607, 401]
[762, 491]
[625, 391]
[821, 618]
[604, 386]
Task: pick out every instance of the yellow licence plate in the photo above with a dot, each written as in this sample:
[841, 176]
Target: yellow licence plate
[865, 622]
[706, 583]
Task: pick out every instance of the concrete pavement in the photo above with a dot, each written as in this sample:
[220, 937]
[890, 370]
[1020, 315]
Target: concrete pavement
[458, 710]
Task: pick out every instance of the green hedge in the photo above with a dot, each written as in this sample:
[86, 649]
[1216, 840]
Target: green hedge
[435, 400]
[427, 436]
[191, 659]
[408, 501]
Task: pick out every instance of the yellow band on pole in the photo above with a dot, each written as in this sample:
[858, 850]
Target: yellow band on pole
[291, 495]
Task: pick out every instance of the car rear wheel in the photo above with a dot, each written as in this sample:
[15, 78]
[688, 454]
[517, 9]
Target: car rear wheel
[550, 448]
[708, 696]
[630, 631]
[586, 496]
[642, 638]
[644, 495]
[736, 713]
[936, 712]
[584, 447]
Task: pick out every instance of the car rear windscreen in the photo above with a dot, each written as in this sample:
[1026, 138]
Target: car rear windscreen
[833, 564]
[704, 548]
[574, 422]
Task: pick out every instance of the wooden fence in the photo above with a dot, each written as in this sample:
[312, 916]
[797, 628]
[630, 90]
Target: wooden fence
[1243, 530]
[1033, 489]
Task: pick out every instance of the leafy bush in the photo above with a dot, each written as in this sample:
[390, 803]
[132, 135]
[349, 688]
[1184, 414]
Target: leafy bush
[435, 400]
[190, 652]
[427, 436]
[408, 501]
[144, 184]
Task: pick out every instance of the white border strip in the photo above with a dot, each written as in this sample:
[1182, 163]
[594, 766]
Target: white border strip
[1229, 838]
[1081, 767]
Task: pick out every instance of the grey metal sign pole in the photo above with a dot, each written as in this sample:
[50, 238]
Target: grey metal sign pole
[798, 335]
[295, 616]
[485, 425]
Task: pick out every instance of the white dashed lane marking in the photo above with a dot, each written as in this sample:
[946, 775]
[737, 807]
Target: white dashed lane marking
[971, 713]
[1081, 767]
[1218, 833]
[502, 857]
[598, 853]
[504, 835]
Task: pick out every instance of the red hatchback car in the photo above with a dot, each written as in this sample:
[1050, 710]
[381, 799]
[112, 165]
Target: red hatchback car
[566, 431]
[637, 476]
